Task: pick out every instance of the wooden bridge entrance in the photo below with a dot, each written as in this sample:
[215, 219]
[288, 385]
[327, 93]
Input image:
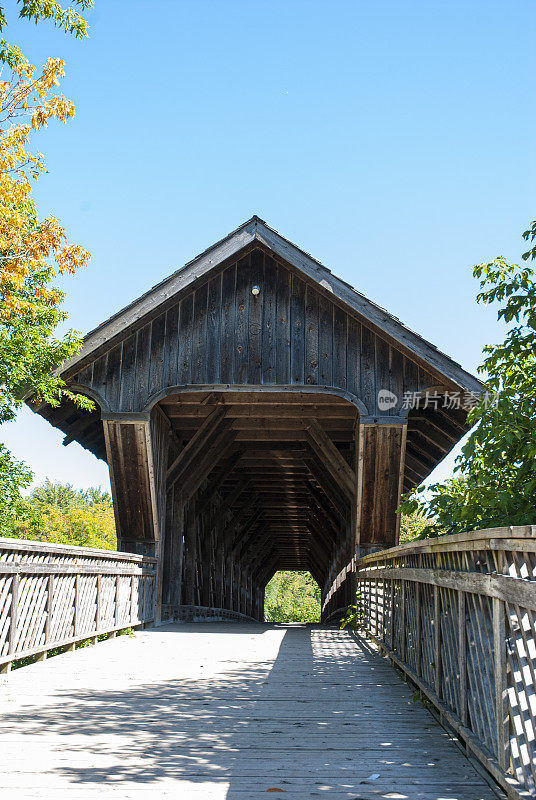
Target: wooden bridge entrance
[256, 414]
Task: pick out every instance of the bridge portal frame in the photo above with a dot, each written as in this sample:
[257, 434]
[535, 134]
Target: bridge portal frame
[255, 316]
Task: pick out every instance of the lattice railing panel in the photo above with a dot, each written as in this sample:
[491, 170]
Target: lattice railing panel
[521, 661]
[457, 614]
[449, 652]
[53, 595]
[427, 635]
[480, 670]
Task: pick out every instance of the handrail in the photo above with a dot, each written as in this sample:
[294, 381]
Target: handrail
[10, 547]
[457, 615]
[54, 595]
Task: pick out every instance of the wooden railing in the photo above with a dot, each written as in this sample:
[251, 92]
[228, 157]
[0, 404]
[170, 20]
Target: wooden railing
[54, 595]
[457, 615]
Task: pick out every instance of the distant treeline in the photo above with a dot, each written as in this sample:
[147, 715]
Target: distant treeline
[59, 513]
[292, 597]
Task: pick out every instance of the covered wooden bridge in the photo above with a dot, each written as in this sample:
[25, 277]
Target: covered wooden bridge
[257, 413]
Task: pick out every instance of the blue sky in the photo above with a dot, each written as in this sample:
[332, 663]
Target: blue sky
[392, 140]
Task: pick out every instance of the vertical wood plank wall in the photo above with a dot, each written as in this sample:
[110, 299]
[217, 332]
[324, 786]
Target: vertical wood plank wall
[219, 333]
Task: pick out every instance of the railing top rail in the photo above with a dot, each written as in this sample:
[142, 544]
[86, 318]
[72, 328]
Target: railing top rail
[28, 545]
[514, 537]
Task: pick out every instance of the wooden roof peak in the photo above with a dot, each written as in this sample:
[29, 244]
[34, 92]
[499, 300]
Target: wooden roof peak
[257, 230]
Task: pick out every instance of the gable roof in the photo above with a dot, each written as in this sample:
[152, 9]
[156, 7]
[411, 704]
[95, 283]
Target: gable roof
[256, 232]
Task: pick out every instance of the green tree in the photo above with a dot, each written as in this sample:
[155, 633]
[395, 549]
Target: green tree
[56, 512]
[64, 495]
[292, 597]
[14, 477]
[66, 17]
[414, 525]
[495, 481]
[32, 251]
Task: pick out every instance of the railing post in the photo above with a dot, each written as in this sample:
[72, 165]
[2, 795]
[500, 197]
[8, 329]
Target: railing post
[142, 587]
[403, 619]
[116, 602]
[437, 640]
[418, 628]
[98, 604]
[76, 621]
[132, 594]
[380, 584]
[50, 595]
[13, 616]
[392, 615]
[501, 690]
[462, 658]
[14, 612]
[374, 605]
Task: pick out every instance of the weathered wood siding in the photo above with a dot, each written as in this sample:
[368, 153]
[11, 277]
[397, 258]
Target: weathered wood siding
[137, 455]
[382, 466]
[292, 334]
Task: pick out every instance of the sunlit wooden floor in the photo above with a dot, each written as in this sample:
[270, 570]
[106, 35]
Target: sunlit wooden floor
[220, 711]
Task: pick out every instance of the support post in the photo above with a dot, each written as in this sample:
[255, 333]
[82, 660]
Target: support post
[437, 641]
[462, 658]
[378, 445]
[501, 691]
[137, 454]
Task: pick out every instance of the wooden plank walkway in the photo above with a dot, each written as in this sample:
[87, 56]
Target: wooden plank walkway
[228, 711]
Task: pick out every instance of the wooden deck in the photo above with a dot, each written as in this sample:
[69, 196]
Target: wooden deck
[229, 711]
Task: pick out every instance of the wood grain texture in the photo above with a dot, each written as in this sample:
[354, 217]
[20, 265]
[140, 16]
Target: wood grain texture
[290, 334]
[253, 234]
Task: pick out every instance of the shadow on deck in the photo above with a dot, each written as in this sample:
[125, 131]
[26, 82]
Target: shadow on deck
[234, 712]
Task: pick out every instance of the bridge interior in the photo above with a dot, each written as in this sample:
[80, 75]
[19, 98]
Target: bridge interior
[280, 495]
[262, 481]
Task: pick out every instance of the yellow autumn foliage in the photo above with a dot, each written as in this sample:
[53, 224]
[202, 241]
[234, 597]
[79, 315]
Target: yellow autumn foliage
[84, 526]
[27, 103]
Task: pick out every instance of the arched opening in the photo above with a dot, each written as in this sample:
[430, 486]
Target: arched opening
[258, 482]
[292, 596]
